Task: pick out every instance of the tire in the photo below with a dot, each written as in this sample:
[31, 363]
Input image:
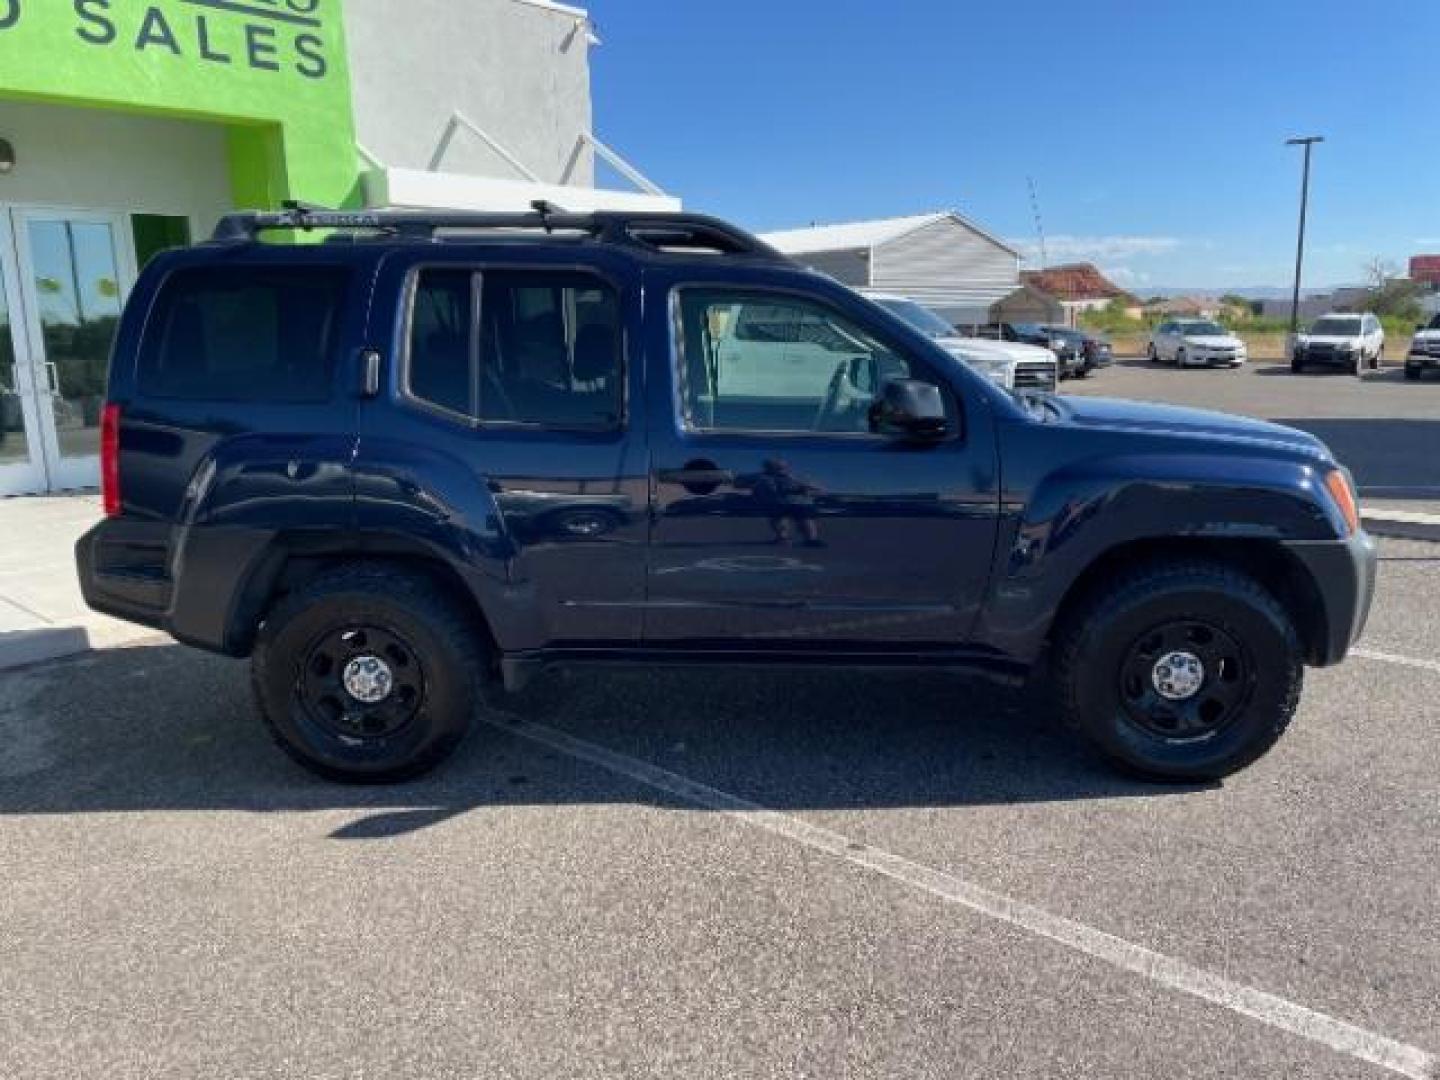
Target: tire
[1179, 358]
[1152, 355]
[1357, 365]
[431, 647]
[1378, 360]
[1234, 625]
[1297, 366]
[1412, 373]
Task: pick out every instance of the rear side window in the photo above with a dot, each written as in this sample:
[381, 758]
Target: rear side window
[520, 347]
[244, 333]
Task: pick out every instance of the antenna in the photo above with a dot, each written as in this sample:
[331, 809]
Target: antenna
[1039, 223]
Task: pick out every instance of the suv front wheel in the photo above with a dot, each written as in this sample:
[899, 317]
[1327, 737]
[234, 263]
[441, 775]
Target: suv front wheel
[368, 674]
[1184, 671]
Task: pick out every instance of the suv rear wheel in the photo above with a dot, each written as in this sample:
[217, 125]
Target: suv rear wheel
[1184, 671]
[368, 675]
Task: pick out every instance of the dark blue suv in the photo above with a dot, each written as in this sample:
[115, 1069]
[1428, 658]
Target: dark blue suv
[432, 455]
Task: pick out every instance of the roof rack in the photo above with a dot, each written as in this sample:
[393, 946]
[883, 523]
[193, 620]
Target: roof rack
[649, 230]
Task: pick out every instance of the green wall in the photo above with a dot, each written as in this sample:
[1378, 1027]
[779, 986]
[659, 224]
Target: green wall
[273, 71]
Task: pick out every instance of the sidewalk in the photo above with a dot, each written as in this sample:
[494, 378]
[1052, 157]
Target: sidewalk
[42, 615]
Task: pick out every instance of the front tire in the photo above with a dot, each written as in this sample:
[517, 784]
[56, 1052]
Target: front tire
[1179, 358]
[368, 674]
[1185, 671]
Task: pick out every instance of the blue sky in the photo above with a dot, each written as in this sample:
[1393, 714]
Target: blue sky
[1154, 131]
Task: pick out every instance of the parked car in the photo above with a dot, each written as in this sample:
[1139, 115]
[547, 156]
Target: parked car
[1083, 352]
[1067, 352]
[1011, 364]
[1098, 352]
[434, 457]
[1196, 343]
[1424, 349]
[1352, 342]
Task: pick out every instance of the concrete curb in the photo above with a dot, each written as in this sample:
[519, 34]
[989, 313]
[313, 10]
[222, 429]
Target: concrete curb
[26, 648]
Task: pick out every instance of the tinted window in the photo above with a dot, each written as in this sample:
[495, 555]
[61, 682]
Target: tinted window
[244, 333]
[518, 347]
[755, 362]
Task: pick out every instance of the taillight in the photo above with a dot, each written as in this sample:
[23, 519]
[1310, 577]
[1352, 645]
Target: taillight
[110, 459]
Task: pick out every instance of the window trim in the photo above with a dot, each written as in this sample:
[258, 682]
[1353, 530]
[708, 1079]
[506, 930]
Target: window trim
[160, 304]
[477, 271]
[678, 385]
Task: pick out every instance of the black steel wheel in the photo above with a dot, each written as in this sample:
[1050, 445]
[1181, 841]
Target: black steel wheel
[362, 682]
[369, 674]
[1185, 679]
[1186, 670]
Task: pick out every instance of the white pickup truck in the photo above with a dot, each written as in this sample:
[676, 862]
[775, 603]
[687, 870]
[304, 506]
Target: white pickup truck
[1011, 364]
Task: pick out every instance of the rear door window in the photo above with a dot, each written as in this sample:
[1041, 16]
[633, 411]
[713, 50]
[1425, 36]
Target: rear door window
[541, 348]
[244, 333]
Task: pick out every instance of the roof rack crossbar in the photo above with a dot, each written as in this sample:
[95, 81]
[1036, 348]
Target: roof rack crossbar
[651, 229]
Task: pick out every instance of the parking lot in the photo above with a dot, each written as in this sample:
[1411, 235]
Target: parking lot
[762, 874]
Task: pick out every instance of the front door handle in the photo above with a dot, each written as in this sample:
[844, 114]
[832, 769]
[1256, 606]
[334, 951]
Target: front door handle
[698, 477]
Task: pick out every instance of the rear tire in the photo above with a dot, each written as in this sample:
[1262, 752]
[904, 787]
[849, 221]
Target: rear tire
[1412, 373]
[1297, 366]
[1116, 681]
[313, 657]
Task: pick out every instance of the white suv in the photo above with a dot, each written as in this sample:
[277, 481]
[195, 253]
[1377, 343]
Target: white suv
[1010, 364]
[1352, 342]
[1424, 350]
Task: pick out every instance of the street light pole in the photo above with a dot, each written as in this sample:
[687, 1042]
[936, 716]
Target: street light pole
[1307, 141]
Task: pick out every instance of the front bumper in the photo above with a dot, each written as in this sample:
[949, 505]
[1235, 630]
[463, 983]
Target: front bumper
[1422, 360]
[1214, 359]
[1326, 357]
[1343, 572]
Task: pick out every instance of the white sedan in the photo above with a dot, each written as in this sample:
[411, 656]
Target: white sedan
[1196, 343]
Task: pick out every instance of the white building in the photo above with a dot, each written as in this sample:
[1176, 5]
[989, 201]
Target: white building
[942, 260]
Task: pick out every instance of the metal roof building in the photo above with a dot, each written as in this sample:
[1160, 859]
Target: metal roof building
[942, 260]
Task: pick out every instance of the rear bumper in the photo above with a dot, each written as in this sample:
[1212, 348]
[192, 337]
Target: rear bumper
[1344, 575]
[130, 586]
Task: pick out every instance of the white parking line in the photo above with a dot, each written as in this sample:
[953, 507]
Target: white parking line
[1167, 971]
[1402, 517]
[1392, 658]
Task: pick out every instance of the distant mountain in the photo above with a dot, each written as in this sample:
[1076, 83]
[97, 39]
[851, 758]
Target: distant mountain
[1250, 292]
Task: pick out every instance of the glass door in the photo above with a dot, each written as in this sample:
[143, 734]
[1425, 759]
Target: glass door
[75, 268]
[22, 458]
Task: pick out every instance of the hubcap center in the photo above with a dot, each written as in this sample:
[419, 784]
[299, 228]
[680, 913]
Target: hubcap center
[1178, 676]
[368, 679]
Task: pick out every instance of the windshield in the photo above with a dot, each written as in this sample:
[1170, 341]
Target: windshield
[1434, 323]
[1205, 328]
[1065, 333]
[1339, 327]
[918, 316]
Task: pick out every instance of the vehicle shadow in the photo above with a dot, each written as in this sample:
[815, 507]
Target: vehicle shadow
[1391, 458]
[164, 728]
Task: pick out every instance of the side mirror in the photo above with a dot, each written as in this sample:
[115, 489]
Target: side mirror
[910, 409]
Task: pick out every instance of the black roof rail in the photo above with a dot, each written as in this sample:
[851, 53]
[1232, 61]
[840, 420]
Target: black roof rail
[648, 229]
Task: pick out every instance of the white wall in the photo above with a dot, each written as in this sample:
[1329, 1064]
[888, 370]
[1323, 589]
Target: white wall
[945, 264]
[94, 159]
[519, 71]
